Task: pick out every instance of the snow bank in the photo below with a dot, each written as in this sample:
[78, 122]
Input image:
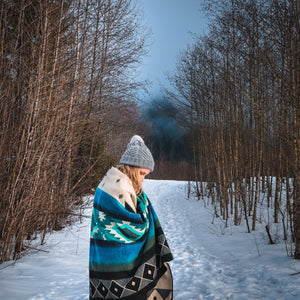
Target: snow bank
[211, 261]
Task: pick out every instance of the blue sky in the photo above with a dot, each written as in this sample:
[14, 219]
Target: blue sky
[173, 23]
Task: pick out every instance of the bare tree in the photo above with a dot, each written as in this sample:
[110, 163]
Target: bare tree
[241, 81]
[65, 69]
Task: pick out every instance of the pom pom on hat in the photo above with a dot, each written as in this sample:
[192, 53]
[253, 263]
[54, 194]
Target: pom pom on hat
[135, 139]
[137, 154]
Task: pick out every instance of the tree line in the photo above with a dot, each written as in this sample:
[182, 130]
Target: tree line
[237, 91]
[67, 90]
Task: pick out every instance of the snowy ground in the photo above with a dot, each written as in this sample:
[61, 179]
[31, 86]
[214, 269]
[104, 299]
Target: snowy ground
[211, 261]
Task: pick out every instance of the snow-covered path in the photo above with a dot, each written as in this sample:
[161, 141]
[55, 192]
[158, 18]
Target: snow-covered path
[210, 261]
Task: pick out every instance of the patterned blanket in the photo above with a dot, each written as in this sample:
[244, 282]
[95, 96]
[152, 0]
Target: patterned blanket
[127, 250]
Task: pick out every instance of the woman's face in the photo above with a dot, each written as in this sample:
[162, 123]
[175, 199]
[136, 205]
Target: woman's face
[142, 172]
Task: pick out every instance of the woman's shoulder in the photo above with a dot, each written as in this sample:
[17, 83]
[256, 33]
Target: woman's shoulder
[118, 185]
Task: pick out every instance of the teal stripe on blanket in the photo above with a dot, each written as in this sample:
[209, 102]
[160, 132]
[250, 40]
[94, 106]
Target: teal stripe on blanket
[115, 254]
[106, 203]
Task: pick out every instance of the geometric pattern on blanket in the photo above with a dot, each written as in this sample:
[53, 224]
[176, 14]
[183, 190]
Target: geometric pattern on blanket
[110, 289]
[127, 251]
[125, 287]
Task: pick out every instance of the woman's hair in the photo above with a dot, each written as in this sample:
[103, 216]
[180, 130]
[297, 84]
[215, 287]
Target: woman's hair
[133, 174]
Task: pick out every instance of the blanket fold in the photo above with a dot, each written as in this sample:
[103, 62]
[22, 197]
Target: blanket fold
[127, 250]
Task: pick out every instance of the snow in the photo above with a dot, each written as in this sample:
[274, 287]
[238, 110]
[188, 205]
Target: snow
[211, 261]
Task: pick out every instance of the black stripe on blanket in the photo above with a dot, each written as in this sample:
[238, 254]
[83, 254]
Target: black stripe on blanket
[141, 295]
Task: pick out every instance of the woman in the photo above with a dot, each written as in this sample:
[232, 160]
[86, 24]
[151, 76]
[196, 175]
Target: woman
[128, 249]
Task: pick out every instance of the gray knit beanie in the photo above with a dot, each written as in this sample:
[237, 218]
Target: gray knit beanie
[137, 154]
